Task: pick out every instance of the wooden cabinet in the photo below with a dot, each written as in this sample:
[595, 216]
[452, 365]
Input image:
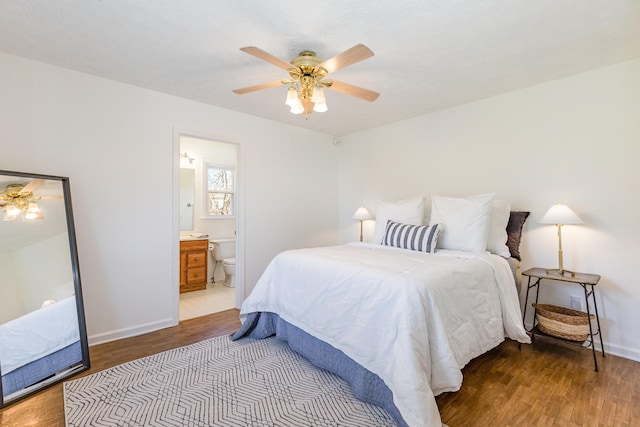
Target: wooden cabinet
[193, 265]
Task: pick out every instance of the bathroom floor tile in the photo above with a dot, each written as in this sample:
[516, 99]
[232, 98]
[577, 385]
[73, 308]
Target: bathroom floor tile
[215, 298]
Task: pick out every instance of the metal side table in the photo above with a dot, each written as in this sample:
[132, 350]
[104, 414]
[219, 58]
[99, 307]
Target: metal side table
[586, 281]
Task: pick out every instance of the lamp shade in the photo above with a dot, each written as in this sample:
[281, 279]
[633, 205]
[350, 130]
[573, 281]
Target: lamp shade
[560, 214]
[292, 97]
[362, 214]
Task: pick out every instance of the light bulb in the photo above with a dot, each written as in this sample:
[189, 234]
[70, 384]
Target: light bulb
[12, 210]
[318, 95]
[33, 208]
[292, 97]
[297, 109]
[7, 217]
[320, 107]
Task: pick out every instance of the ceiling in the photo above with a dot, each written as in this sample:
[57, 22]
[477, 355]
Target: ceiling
[17, 234]
[429, 54]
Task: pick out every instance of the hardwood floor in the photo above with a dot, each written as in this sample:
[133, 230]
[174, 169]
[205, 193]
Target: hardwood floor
[548, 383]
[544, 384]
[46, 409]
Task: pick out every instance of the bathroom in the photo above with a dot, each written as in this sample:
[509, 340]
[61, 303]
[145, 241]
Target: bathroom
[207, 224]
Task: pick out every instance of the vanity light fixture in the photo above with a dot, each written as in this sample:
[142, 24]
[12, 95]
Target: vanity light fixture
[186, 157]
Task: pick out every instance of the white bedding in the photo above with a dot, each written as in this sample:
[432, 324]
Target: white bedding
[412, 318]
[37, 334]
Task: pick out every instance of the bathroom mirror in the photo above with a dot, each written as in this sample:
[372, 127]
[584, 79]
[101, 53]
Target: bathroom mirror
[187, 198]
[43, 335]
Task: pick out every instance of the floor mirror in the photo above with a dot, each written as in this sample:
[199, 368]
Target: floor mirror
[43, 336]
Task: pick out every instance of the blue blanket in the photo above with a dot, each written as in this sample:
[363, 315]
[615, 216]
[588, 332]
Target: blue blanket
[365, 385]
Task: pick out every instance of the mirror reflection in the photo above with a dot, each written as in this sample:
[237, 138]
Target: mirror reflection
[42, 327]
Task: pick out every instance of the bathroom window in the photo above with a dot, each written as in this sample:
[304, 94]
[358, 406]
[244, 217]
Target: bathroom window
[221, 191]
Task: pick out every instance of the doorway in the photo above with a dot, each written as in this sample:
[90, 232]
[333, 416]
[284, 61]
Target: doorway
[208, 214]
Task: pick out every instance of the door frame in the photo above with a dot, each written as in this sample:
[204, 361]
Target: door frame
[175, 229]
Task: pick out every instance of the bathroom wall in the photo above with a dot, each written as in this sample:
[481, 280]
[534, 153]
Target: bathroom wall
[208, 151]
[204, 151]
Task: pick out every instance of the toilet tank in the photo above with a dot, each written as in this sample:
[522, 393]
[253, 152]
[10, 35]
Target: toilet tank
[223, 248]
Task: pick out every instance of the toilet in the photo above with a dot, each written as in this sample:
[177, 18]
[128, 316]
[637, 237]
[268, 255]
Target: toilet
[224, 251]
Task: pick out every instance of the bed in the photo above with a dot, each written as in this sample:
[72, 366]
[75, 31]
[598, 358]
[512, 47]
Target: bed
[398, 323]
[38, 345]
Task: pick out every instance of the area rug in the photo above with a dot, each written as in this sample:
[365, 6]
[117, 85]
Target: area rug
[218, 382]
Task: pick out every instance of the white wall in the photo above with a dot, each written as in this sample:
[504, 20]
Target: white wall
[116, 143]
[43, 269]
[575, 141]
[11, 304]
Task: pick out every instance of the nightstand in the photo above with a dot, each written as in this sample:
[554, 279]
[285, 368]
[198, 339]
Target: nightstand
[586, 281]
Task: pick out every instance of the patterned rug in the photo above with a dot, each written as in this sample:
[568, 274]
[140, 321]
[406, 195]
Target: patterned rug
[218, 382]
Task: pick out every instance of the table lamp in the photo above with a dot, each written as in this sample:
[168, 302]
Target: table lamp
[560, 215]
[362, 214]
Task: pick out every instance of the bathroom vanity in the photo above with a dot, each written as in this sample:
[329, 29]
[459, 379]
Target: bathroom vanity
[193, 265]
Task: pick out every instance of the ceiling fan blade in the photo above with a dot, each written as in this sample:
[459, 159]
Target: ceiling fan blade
[265, 56]
[358, 92]
[32, 186]
[258, 87]
[350, 56]
[51, 197]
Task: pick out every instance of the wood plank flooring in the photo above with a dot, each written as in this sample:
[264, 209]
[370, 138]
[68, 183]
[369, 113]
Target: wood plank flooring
[545, 384]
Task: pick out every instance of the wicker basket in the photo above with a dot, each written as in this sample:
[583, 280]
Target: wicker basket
[563, 322]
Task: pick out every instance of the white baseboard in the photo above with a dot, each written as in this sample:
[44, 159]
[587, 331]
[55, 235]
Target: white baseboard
[130, 332]
[620, 351]
[625, 352]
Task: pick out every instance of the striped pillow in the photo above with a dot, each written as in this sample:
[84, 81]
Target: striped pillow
[421, 238]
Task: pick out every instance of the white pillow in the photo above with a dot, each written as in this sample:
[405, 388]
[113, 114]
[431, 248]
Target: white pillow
[497, 241]
[408, 211]
[465, 221]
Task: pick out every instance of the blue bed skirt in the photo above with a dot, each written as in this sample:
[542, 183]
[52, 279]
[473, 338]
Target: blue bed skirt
[41, 369]
[365, 385]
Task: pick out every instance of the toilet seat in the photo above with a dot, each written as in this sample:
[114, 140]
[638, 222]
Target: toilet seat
[229, 261]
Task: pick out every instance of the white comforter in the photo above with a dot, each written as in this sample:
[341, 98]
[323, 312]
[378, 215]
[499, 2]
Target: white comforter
[412, 318]
[37, 334]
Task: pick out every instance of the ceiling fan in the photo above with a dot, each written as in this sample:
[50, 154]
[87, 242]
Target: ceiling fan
[19, 200]
[307, 80]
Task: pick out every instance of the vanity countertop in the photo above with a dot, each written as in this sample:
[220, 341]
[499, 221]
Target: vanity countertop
[193, 236]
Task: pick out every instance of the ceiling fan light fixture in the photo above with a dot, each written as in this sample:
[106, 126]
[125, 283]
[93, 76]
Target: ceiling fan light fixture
[7, 217]
[12, 210]
[292, 97]
[297, 108]
[307, 81]
[33, 211]
[320, 107]
[318, 95]
[33, 208]
[33, 215]
[318, 99]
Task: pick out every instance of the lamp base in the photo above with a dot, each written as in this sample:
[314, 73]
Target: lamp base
[561, 272]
